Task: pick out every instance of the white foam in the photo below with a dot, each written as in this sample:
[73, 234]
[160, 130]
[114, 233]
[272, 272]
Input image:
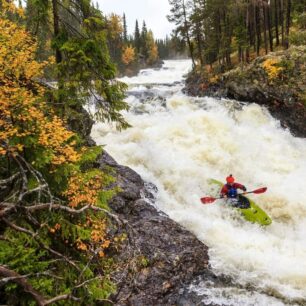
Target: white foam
[180, 148]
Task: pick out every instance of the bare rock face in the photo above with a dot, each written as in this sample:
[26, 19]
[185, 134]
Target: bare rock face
[162, 258]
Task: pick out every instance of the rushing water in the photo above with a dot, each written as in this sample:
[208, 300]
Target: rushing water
[179, 142]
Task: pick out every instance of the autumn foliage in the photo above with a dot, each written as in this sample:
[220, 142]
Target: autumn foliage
[272, 68]
[26, 121]
[128, 55]
[53, 205]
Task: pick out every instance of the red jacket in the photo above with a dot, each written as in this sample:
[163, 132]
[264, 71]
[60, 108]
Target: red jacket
[225, 189]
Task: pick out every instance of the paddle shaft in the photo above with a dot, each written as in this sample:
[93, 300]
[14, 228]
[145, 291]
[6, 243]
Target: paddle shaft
[208, 200]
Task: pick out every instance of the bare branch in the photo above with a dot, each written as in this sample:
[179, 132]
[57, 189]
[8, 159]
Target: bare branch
[74, 211]
[37, 189]
[12, 278]
[61, 298]
[39, 177]
[10, 179]
[20, 280]
[56, 206]
[6, 211]
[18, 228]
[86, 282]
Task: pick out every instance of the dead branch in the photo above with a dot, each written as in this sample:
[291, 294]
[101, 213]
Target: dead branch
[9, 180]
[21, 280]
[19, 229]
[10, 275]
[61, 298]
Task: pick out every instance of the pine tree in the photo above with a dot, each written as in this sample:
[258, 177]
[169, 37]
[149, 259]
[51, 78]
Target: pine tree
[144, 41]
[82, 58]
[125, 35]
[180, 17]
[137, 38]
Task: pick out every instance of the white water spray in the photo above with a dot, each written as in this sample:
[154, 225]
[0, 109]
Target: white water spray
[179, 143]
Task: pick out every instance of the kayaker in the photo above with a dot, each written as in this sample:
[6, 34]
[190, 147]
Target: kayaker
[229, 190]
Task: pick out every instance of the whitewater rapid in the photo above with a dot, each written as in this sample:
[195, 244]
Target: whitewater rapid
[179, 142]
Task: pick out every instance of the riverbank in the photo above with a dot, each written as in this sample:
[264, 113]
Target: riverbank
[276, 81]
[134, 68]
[158, 260]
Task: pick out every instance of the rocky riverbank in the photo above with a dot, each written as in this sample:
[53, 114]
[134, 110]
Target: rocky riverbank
[160, 259]
[276, 81]
[134, 68]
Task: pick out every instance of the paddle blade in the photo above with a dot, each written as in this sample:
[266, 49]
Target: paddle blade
[260, 190]
[208, 200]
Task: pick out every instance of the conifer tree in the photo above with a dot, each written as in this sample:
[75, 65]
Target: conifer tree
[180, 17]
[84, 69]
[137, 38]
[125, 35]
[144, 41]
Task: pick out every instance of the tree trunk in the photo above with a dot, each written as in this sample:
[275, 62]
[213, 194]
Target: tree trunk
[265, 26]
[248, 34]
[187, 35]
[282, 19]
[199, 45]
[254, 27]
[269, 26]
[276, 21]
[56, 30]
[198, 35]
[58, 53]
[258, 33]
[288, 23]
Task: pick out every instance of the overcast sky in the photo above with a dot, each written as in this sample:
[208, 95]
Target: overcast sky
[152, 11]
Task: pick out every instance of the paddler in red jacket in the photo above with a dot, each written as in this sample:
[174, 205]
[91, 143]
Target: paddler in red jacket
[229, 190]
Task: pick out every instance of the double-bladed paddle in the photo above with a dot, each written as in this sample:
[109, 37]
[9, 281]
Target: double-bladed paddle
[209, 200]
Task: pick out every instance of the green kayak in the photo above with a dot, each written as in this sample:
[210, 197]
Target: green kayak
[250, 211]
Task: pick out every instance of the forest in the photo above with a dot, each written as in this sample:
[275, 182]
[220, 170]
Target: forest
[237, 31]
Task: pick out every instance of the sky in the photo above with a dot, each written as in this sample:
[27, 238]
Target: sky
[152, 11]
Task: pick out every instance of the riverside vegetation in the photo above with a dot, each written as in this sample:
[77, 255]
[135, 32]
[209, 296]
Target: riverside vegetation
[55, 225]
[252, 51]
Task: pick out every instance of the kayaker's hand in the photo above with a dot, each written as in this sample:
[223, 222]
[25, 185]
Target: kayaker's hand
[244, 188]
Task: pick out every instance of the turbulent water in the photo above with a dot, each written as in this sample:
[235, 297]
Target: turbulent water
[179, 143]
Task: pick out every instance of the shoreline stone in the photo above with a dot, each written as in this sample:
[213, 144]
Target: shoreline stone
[164, 258]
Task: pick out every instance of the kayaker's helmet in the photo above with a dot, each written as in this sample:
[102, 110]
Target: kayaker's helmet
[230, 179]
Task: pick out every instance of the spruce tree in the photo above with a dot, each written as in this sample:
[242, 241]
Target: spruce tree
[84, 69]
[180, 17]
[144, 41]
[137, 38]
[125, 35]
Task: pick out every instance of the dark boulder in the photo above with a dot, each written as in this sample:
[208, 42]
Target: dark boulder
[162, 257]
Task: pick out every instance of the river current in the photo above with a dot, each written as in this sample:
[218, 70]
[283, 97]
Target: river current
[179, 142]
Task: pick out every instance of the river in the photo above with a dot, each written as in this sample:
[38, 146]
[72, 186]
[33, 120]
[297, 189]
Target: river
[179, 142]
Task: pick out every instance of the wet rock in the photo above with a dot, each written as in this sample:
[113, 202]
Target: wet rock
[161, 258]
[80, 122]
